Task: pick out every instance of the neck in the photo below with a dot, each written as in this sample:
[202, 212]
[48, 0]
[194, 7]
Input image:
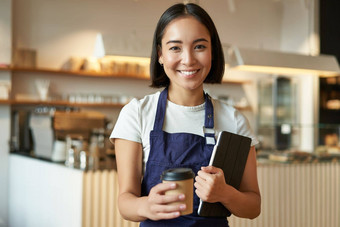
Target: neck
[185, 97]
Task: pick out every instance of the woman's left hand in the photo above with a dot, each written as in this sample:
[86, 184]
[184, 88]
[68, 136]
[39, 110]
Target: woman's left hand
[210, 184]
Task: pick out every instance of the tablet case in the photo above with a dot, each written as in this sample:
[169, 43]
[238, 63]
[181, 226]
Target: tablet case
[230, 154]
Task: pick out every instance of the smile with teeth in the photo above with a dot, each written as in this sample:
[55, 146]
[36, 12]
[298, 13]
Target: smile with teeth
[188, 73]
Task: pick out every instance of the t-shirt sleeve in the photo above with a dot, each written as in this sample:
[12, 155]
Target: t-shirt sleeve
[128, 125]
[243, 128]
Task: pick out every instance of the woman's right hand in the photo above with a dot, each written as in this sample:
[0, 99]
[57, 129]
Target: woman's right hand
[132, 205]
[158, 205]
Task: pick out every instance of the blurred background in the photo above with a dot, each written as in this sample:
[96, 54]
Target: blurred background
[67, 68]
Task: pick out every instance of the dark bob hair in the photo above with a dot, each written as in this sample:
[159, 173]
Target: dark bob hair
[158, 76]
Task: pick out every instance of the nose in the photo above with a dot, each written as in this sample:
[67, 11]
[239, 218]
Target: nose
[188, 57]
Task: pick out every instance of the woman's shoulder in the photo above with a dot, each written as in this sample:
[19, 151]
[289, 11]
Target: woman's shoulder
[150, 99]
[229, 113]
[233, 120]
[224, 107]
[142, 103]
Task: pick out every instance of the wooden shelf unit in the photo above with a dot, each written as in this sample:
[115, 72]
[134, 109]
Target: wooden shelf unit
[76, 104]
[94, 74]
[62, 103]
[84, 74]
[5, 102]
[78, 73]
[5, 68]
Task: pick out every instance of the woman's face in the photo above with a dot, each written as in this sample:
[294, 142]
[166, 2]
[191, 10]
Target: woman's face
[186, 53]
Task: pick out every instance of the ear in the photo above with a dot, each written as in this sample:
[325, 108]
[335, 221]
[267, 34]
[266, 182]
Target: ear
[160, 56]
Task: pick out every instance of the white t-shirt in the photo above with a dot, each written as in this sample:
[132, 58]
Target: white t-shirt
[137, 118]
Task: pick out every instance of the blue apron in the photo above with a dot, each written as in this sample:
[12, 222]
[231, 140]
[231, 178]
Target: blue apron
[173, 150]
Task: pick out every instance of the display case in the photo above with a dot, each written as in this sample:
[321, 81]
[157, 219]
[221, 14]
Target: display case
[282, 134]
[327, 148]
[329, 99]
[278, 107]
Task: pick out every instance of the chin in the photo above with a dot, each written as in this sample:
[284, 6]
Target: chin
[192, 87]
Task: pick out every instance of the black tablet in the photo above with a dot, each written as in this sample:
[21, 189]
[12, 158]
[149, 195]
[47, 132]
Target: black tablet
[230, 154]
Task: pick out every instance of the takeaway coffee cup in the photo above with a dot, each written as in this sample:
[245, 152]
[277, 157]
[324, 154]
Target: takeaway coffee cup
[184, 179]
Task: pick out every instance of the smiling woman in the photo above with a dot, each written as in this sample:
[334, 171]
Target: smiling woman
[164, 130]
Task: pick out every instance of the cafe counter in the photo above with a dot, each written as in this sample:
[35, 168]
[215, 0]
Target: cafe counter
[43, 193]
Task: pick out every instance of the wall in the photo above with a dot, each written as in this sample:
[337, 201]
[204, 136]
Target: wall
[127, 25]
[5, 31]
[300, 32]
[5, 77]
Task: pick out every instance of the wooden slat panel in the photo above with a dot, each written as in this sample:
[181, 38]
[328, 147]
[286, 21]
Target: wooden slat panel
[87, 199]
[304, 195]
[103, 199]
[95, 209]
[111, 198]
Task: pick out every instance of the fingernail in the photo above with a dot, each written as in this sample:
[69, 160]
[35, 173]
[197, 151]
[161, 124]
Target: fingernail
[177, 213]
[173, 185]
[181, 196]
[182, 206]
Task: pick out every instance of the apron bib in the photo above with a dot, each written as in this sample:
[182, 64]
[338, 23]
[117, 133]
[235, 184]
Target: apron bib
[179, 150]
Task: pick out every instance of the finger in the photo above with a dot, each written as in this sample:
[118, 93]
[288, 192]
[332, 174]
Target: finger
[168, 215]
[200, 180]
[163, 187]
[202, 186]
[169, 208]
[165, 199]
[211, 169]
[200, 195]
[207, 179]
[168, 211]
[203, 174]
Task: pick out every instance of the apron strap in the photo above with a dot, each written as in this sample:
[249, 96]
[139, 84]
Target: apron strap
[209, 112]
[160, 113]
[208, 129]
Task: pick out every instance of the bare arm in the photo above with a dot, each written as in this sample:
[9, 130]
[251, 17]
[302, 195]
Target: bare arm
[131, 205]
[245, 202]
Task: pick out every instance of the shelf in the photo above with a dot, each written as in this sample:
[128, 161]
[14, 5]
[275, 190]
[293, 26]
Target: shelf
[79, 73]
[243, 108]
[5, 69]
[328, 87]
[74, 104]
[58, 103]
[329, 110]
[5, 102]
[329, 116]
[84, 74]
[236, 82]
[95, 74]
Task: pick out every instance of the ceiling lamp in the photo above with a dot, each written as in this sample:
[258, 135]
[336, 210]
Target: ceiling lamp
[281, 63]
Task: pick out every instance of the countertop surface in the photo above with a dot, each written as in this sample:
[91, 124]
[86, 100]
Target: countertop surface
[262, 160]
[105, 164]
[296, 157]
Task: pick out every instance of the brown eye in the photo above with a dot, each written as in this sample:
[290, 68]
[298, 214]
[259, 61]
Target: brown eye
[199, 47]
[175, 48]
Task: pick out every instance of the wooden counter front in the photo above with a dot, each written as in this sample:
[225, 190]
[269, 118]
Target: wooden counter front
[47, 194]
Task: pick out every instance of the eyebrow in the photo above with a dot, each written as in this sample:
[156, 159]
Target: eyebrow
[195, 41]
